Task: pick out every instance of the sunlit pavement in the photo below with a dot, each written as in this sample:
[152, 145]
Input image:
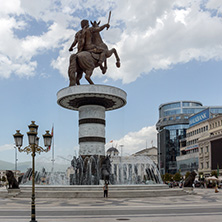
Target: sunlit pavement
[204, 205]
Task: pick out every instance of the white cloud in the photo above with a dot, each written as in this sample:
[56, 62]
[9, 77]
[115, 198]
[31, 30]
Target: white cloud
[135, 141]
[176, 36]
[6, 147]
[215, 5]
[148, 35]
[10, 6]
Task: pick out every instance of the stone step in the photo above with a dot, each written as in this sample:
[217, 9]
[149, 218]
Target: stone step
[86, 191]
[93, 187]
[97, 192]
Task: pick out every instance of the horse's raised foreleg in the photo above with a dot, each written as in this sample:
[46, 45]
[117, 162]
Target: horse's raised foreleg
[103, 68]
[72, 70]
[110, 52]
[88, 75]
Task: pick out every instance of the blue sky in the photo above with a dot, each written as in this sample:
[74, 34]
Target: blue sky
[169, 51]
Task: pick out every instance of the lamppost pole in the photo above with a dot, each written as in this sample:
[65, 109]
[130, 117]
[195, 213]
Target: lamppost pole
[16, 159]
[33, 185]
[33, 148]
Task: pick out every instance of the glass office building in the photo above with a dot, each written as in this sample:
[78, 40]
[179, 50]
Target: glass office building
[171, 126]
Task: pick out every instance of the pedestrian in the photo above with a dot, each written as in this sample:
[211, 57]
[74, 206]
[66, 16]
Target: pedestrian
[216, 189]
[105, 189]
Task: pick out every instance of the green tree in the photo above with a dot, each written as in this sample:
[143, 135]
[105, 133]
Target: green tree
[167, 177]
[177, 177]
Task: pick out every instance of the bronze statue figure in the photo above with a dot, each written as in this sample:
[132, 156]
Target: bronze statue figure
[106, 168]
[91, 52]
[190, 179]
[12, 182]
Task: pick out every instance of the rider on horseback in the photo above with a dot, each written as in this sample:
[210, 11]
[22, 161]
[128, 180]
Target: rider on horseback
[84, 40]
[91, 53]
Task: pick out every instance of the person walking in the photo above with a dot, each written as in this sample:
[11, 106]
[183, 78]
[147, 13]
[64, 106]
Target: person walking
[105, 189]
[216, 189]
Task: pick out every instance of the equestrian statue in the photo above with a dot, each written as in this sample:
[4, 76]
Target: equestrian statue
[92, 52]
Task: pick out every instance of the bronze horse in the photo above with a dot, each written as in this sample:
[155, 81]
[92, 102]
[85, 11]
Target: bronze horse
[86, 62]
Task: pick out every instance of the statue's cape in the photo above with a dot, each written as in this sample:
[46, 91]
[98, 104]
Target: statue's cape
[85, 60]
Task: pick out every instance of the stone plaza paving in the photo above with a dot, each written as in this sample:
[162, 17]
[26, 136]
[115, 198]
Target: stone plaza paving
[204, 205]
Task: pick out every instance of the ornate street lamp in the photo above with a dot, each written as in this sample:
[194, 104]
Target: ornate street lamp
[33, 148]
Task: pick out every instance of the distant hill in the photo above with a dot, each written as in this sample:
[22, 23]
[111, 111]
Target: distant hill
[23, 166]
[6, 165]
[60, 166]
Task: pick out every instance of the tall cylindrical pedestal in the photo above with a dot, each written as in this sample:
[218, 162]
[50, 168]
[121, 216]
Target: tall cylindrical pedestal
[91, 101]
[91, 130]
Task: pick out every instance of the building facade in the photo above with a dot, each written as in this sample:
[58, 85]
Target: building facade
[171, 126]
[210, 152]
[201, 150]
[189, 148]
[174, 120]
[150, 152]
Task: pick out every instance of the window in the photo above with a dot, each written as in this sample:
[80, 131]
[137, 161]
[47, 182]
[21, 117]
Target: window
[207, 164]
[170, 106]
[172, 112]
[186, 104]
[207, 149]
[201, 166]
[201, 150]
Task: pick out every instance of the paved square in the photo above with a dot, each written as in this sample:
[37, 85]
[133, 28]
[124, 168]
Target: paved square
[205, 205]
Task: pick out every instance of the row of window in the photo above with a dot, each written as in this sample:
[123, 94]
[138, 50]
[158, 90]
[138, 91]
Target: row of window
[206, 149]
[170, 106]
[192, 151]
[216, 133]
[200, 130]
[175, 118]
[192, 110]
[191, 142]
[202, 165]
[178, 104]
[216, 124]
[191, 104]
[172, 112]
[184, 111]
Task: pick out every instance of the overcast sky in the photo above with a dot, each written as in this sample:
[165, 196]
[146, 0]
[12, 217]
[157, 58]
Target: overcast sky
[169, 51]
